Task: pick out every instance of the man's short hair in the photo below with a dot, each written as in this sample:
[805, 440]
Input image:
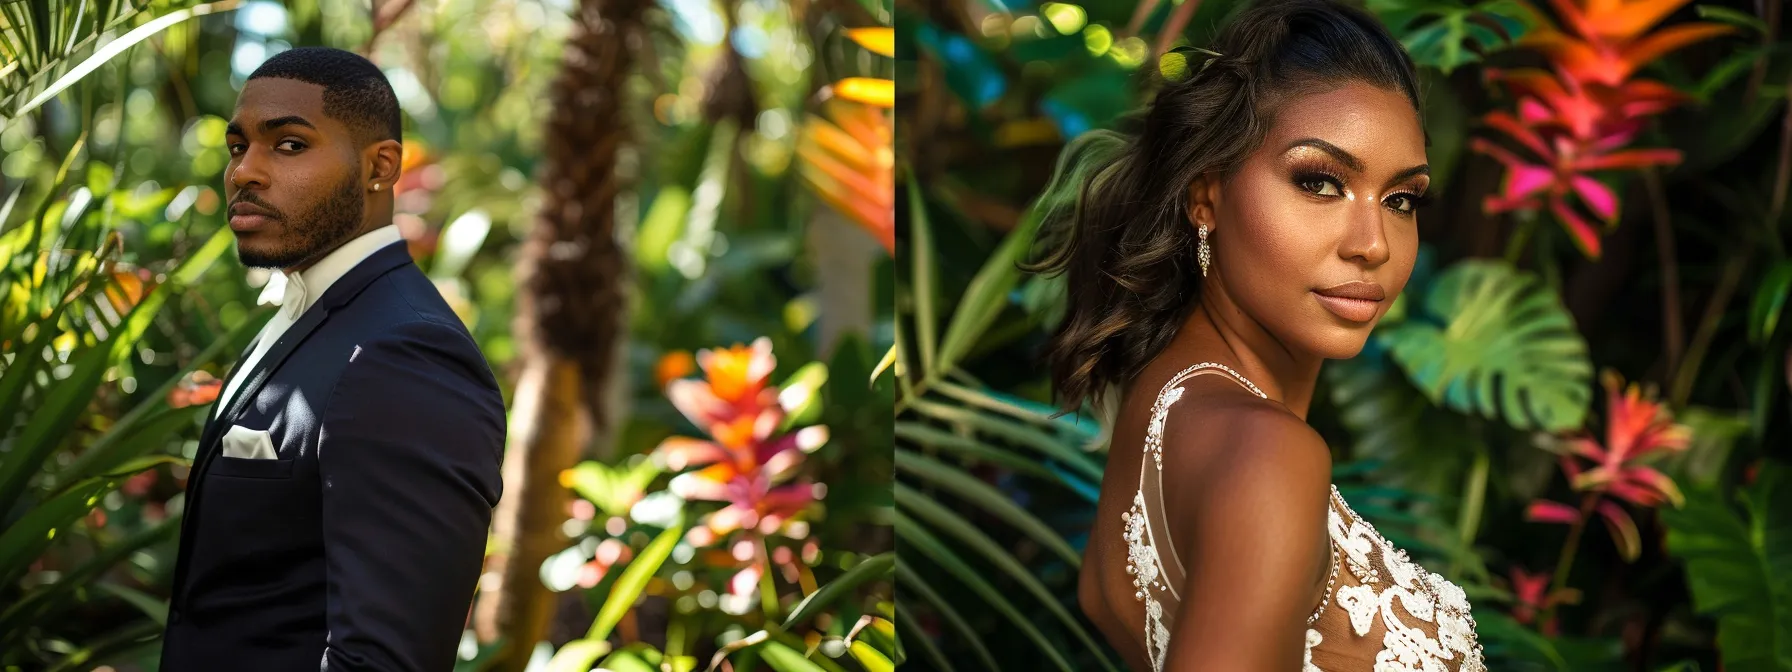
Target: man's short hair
[355, 91]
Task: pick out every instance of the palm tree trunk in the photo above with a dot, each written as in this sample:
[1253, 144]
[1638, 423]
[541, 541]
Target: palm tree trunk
[569, 322]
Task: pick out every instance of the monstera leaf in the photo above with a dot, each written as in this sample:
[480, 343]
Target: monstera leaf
[1394, 423]
[1739, 567]
[1488, 339]
[1456, 33]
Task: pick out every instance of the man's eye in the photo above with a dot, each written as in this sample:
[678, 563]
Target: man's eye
[289, 146]
[236, 148]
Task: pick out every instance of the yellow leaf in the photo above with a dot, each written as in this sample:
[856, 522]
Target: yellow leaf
[876, 92]
[877, 40]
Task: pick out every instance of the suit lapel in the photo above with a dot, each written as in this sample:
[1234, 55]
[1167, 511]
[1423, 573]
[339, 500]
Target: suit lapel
[213, 418]
[341, 292]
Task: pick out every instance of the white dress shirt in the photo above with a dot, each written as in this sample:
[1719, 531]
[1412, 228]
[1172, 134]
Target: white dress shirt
[302, 290]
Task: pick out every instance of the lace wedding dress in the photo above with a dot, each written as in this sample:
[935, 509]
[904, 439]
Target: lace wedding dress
[1392, 615]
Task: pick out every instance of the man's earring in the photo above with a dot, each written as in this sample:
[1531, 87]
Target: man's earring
[376, 186]
[1204, 252]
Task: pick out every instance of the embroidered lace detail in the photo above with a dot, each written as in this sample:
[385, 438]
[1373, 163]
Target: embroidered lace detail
[1142, 559]
[1423, 595]
[1384, 574]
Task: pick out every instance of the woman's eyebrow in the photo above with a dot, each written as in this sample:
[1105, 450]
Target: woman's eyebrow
[1350, 161]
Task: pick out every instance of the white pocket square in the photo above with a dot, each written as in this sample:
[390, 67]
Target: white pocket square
[249, 444]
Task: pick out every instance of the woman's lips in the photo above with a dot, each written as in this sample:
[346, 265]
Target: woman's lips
[1355, 310]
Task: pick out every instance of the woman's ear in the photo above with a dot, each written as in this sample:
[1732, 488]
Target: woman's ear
[1203, 201]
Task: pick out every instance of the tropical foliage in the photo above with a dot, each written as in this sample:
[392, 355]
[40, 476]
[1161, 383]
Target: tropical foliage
[1620, 211]
[719, 506]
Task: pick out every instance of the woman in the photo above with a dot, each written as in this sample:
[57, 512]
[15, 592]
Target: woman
[1257, 219]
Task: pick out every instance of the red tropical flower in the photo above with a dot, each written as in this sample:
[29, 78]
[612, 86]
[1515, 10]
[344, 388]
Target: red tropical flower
[1560, 170]
[1636, 429]
[1532, 596]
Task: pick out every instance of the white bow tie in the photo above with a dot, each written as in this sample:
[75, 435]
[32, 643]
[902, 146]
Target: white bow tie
[293, 302]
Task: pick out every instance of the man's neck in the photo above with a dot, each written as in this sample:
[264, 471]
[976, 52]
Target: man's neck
[313, 259]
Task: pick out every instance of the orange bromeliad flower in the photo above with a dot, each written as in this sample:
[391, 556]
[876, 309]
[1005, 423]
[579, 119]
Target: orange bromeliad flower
[1576, 119]
[1608, 44]
[849, 160]
[734, 385]
[745, 457]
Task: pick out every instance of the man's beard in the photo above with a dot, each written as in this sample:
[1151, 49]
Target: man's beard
[309, 238]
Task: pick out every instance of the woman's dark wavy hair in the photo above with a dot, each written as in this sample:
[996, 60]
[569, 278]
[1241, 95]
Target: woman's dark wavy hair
[1114, 212]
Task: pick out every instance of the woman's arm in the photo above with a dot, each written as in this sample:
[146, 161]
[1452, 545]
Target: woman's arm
[1253, 541]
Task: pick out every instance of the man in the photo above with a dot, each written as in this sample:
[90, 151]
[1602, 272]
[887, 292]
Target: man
[337, 510]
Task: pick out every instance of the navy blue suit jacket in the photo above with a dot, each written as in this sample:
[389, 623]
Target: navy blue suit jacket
[359, 547]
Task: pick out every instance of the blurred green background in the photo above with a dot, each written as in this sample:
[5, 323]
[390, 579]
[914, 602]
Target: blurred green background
[1578, 409]
[720, 226]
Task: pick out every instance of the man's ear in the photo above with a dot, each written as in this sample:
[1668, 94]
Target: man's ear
[1203, 200]
[384, 161]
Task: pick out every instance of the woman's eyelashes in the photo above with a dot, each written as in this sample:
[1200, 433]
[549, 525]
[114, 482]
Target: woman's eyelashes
[1326, 184]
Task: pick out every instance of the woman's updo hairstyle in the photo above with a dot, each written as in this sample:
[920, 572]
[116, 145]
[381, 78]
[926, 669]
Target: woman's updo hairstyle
[1114, 211]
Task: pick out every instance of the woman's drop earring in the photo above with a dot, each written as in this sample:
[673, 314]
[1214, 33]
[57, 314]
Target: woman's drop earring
[1204, 252]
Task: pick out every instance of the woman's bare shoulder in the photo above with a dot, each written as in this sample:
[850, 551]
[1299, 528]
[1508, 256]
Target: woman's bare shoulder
[1231, 453]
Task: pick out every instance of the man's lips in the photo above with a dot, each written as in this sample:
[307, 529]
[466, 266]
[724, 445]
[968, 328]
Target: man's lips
[246, 217]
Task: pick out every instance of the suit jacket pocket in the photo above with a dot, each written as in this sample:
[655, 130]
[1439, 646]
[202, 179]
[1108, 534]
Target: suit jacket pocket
[242, 467]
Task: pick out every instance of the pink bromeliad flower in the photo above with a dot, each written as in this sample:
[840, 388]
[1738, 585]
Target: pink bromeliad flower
[1637, 429]
[1578, 117]
[1560, 170]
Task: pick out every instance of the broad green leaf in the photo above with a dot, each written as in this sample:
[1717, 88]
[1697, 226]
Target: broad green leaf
[785, 659]
[951, 523]
[633, 580]
[987, 294]
[623, 661]
[987, 499]
[1770, 300]
[1714, 434]
[870, 569]
[872, 659]
[578, 655]
[1392, 422]
[1739, 567]
[612, 488]
[1498, 344]
[929, 546]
